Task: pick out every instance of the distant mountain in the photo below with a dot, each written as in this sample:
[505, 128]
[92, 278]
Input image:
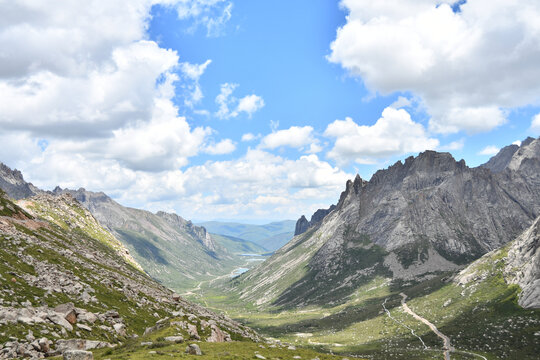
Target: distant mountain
[238, 246]
[170, 248]
[428, 215]
[271, 236]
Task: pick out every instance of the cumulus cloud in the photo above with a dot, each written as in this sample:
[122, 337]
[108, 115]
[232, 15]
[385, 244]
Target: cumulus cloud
[467, 66]
[248, 104]
[489, 150]
[250, 137]
[394, 133]
[261, 184]
[454, 145]
[295, 136]
[535, 124]
[84, 80]
[223, 147]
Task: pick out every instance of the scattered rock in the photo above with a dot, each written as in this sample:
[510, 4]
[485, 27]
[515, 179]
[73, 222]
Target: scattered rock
[192, 331]
[120, 329]
[175, 339]
[78, 355]
[84, 327]
[193, 349]
[259, 356]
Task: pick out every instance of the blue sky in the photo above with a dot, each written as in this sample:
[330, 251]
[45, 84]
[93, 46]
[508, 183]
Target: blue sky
[258, 110]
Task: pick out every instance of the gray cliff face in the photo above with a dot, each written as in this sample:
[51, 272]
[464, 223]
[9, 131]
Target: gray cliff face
[427, 214]
[523, 266]
[13, 184]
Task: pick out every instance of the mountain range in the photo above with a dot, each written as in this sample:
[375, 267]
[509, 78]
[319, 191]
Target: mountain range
[398, 264]
[420, 217]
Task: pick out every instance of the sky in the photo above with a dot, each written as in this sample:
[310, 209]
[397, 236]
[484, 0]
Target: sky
[254, 110]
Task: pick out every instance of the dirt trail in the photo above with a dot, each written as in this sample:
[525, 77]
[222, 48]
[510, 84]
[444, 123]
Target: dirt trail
[447, 347]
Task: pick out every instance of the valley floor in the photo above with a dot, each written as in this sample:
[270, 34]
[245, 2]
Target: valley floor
[480, 320]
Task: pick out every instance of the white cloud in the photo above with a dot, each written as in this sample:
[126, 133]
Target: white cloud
[401, 102]
[250, 137]
[467, 67]
[84, 78]
[295, 137]
[394, 133]
[221, 148]
[489, 150]
[248, 104]
[193, 72]
[211, 14]
[517, 142]
[454, 145]
[535, 124]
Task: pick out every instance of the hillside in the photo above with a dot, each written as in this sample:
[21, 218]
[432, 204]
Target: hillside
[270, 236]
[68, 284]
[168, 247]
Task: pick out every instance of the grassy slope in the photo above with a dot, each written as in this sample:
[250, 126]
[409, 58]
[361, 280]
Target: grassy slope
[62, 245]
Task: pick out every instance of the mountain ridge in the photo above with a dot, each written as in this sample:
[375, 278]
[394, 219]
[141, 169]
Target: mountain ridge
[428, 214]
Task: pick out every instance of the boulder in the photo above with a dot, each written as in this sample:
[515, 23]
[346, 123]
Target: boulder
[192, 331]
[216, 334]
[120, 329]
[59, 320]
[78, 355]
[44, 344]
[193, 349]
[175, 339]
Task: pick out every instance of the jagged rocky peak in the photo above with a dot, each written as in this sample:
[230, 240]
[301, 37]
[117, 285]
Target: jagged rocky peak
[13, 183]
[503, 158]
[352, 190]
[529, 151]
[500, 161]
[302, 225]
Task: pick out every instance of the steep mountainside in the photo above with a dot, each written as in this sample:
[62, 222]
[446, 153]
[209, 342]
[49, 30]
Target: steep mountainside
[270, 236]
[411, 221]
[169, 248]
[66, 284]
